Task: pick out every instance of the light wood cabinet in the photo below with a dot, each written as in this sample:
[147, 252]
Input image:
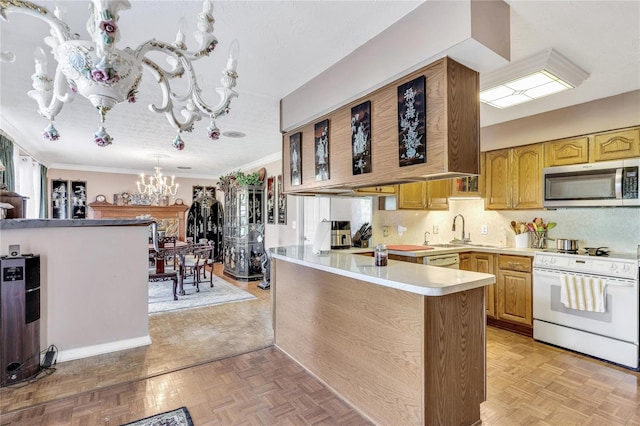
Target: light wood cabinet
[482, 262]
[616, 145]
[438, 192]
[412, 196]
[376, 190]
[514, 178]
[432, 195]
[452, 132]
[514, 298]
[566, 151]
[465, 262]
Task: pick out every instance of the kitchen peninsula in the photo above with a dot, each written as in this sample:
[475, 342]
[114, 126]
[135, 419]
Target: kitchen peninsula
[404, 344]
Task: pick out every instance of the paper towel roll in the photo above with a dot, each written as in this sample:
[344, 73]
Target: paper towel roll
[322, 238]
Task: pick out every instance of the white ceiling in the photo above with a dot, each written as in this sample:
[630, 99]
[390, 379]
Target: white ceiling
[283, 44]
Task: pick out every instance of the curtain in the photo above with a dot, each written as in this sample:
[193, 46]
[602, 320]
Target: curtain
[6, 157]
[44, 197]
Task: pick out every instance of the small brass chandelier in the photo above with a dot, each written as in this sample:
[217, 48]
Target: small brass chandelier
[107, 76]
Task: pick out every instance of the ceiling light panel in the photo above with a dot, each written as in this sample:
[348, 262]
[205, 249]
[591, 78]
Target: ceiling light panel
[522, 81]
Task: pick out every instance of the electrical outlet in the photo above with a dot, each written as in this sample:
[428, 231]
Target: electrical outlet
[484, 230]
[436, 229]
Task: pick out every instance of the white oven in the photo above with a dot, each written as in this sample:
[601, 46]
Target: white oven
[450, 260]
[613, 334]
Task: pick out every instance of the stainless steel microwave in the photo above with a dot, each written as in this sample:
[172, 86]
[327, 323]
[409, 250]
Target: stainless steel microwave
[608, 183]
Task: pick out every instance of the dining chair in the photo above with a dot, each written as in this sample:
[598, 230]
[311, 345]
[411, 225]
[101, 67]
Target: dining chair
[194, 263]
[157, 270]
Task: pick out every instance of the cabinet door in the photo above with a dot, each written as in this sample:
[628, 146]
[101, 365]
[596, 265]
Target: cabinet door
[412, 196]
[526, 173]
[497, 180]
[438, 194]
[483, 262]
[465, 262]
[617, 145]
[566, 151]
[514, 297]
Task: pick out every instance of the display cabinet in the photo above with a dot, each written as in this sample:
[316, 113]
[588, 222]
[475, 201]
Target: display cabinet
[243, 232]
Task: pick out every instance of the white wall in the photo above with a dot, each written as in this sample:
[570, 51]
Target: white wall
[93, 286]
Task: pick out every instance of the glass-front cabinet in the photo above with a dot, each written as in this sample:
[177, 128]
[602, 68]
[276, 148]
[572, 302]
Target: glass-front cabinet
[243, 232]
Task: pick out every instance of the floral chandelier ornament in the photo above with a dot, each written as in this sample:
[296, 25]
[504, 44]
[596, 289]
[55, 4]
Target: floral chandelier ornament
[107, 76]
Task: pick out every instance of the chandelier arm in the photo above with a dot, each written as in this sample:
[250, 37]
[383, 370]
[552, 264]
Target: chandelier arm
[59, 29]
[226, 93]
[166, 106]
[107, 76]
[50, 99]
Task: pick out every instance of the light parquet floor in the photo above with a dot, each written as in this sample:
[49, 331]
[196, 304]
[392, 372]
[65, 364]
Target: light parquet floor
[528, 383]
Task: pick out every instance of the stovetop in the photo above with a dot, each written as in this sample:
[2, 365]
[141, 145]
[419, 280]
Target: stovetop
[622, 265]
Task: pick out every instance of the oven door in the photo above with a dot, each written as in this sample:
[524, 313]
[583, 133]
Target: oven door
[619, 321]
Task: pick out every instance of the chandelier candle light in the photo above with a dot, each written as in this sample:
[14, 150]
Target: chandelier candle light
[107, 76]
[157, 188]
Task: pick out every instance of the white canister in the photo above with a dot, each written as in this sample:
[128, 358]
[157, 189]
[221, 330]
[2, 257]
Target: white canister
[522, 240]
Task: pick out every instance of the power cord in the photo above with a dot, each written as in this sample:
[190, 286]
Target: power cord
[50, 358]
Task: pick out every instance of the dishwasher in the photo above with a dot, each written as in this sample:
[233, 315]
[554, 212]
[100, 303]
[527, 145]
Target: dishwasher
[450, 260]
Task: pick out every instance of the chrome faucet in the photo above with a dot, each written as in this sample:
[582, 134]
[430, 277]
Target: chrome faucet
[426, 243]
[453, 228]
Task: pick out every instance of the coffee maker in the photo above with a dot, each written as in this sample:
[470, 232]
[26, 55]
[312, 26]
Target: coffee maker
[340, 234]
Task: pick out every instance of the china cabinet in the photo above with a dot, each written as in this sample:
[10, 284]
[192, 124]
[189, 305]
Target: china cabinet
[243, 232]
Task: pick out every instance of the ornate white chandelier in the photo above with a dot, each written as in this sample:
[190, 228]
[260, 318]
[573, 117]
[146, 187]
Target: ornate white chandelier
[157, 187]
[107, 76]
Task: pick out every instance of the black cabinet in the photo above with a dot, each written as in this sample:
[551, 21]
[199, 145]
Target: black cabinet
[243, 236]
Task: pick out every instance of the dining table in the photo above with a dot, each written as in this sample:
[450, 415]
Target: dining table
[166, 249]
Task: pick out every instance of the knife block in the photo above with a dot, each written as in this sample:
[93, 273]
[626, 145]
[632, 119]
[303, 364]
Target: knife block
[361, 243]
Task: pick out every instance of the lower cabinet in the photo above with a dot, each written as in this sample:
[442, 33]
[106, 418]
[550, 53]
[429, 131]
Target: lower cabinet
[482, 262]
[514, 298]
[509, 301]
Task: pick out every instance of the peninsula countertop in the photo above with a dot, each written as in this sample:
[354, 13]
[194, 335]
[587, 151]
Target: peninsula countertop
[415, 278]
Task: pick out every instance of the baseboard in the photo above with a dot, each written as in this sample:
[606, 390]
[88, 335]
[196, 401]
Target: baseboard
[87, 351]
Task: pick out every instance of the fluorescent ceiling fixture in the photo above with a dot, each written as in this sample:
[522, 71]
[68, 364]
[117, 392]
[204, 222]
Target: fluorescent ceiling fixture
[538, 76]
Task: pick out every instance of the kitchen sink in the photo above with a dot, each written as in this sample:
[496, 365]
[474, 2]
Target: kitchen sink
[447, 245]
[457, 245]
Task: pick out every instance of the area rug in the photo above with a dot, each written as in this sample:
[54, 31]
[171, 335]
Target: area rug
[179, 417]
[161, 296]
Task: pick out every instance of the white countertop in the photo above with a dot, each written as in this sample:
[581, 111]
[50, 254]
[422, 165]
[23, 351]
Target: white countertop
[412, 277]
[446, 250]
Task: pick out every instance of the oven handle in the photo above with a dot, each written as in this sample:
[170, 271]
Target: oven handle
[616, 282]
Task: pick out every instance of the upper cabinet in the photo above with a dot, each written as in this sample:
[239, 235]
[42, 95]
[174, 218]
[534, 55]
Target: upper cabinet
[616, 145]
[319, 156]
[514, 178]
[431, 195]
[566, 151]
[604, 146]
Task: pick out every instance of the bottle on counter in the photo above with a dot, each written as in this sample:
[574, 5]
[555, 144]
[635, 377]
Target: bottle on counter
[381, 255]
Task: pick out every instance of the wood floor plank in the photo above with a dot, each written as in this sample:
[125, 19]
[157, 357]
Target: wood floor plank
[528, 383]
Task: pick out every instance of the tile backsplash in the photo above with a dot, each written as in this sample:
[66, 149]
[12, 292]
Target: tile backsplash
[616, 228]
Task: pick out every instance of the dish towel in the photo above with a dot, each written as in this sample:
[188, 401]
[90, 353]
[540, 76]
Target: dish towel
[583, 293]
